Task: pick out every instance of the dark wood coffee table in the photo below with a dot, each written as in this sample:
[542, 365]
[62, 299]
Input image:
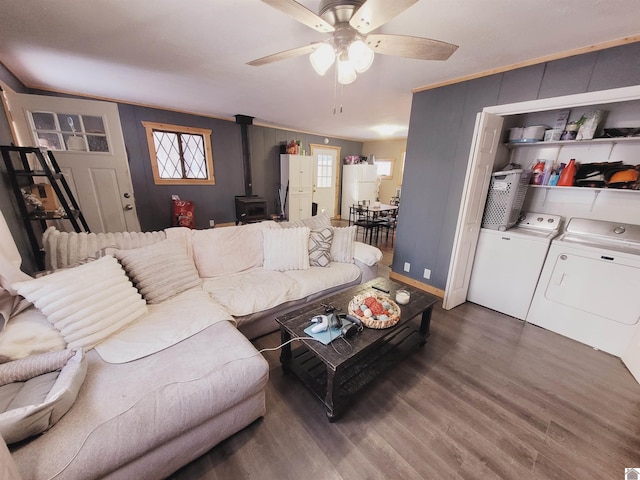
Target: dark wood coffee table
[335, 376]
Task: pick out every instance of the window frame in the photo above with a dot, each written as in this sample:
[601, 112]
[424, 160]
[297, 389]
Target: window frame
[63, 134]
[150, 127]
[324, 167]
[391, 162]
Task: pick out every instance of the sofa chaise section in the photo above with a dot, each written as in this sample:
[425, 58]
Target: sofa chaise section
[147, 418]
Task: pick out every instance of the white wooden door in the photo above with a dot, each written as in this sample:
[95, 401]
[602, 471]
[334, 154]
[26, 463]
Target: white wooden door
[483, 154]
[325, 178]
[631, 356]
[87, 142]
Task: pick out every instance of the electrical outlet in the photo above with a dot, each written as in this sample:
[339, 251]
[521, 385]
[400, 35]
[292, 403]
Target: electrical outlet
[427, 273]
[212, 223]
[407, 266]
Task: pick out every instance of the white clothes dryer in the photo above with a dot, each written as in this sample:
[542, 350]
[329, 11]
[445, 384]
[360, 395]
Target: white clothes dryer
[589, 289]
[507, 265]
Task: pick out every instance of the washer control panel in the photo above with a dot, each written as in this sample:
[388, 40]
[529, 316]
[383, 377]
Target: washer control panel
[605, 231]
[539, 221]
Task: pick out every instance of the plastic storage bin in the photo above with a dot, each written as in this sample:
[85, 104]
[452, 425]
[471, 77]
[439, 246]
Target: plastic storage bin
[504, 201]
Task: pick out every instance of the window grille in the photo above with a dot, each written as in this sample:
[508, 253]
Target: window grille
[180, 154]
[325, 171]
[69, 131]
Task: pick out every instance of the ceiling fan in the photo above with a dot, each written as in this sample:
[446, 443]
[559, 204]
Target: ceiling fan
[351, 45]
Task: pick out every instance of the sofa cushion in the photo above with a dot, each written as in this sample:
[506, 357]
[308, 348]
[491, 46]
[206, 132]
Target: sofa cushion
[68, 249]
[320, 247]
[42, 389]
[318, 279]
[367, 254]
[218, 252]
[343, 244]
[171, 321]
[317, 221]
[160, 271]
[86, 303]
[286, 249]
[251, 292]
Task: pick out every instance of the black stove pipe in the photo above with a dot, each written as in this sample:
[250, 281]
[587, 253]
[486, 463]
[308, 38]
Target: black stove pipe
[244, 121]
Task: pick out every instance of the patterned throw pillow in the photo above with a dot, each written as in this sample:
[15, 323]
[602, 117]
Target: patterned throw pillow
[320, 247]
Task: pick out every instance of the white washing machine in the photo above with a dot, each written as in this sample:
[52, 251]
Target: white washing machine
[589, 289]
[507, 264]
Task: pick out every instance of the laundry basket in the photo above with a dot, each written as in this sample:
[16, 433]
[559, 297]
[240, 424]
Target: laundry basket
[505, 199]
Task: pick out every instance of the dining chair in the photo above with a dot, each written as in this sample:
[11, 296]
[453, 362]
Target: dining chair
[365, 219]
[388, 222]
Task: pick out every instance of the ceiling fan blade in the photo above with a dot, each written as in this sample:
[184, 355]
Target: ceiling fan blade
[302, 14]
[374, 13]
[410, 47]
[276, 57]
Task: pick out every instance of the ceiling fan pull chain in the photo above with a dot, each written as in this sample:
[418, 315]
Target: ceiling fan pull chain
[335, 90]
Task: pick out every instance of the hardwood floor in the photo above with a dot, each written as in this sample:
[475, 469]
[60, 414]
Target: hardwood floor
[488, 397]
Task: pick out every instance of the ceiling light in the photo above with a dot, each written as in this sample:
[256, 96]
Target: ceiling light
[350, 53]
[346, 70]
[360, 55]
[322, 58]
[388, 130]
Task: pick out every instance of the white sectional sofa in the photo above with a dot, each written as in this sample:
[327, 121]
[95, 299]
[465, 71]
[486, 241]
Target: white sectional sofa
[170, 370]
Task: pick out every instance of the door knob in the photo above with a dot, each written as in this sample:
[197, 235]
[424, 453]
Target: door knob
[128, 206]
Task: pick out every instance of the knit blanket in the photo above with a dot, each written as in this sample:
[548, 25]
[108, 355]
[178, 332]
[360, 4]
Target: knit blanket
[68, 249]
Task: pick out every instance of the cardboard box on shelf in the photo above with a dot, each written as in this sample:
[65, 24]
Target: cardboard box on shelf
[44, 192]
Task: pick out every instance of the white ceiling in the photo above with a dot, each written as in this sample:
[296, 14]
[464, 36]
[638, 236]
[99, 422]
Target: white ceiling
[191, 55]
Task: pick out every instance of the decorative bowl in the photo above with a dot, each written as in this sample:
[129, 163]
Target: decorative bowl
[375, 310]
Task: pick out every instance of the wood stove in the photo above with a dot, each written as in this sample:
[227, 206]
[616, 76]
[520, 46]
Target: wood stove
[250, 209]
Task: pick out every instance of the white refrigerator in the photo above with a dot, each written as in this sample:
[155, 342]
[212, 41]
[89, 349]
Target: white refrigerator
[358, 183]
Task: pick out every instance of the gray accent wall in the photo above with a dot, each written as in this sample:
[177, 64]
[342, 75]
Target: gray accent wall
[211, 202]
[153, 202]
[439, 142]
[265, 157]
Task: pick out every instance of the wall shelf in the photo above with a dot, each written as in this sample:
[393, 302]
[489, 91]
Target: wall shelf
[612, 140]
[595, 191]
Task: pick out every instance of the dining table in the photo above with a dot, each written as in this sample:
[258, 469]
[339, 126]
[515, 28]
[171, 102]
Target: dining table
[377, 213]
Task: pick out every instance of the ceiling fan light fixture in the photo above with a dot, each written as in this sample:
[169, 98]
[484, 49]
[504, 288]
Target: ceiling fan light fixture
[346, 70]
[322, 58]
[360, 55]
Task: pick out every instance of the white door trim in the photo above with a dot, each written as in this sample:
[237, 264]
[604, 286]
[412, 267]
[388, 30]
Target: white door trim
[614, 95]
[554, 103]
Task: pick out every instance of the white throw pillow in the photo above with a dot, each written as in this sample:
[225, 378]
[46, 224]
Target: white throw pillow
[160, 271]
[286, 249]
[222, 251]
[343, 244]
[86, 303]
